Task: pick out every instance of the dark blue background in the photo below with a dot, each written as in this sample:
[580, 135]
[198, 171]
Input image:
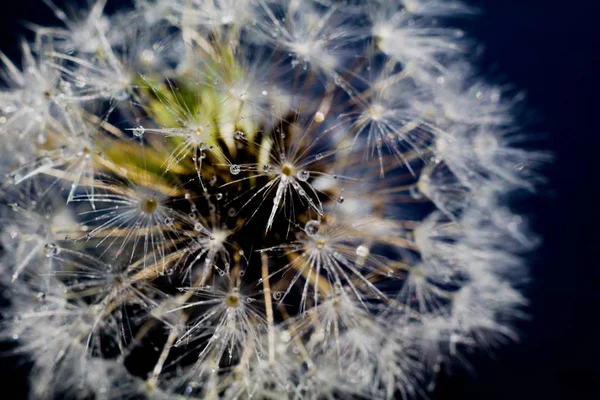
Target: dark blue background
[550, 49]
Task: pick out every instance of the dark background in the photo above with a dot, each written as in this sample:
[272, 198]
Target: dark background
[550, 49]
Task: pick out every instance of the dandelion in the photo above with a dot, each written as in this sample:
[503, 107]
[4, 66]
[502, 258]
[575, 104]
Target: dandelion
[313, 38]
[135, 213]
[229, 320]
[288, 164]
[33, 98]
[258, 199]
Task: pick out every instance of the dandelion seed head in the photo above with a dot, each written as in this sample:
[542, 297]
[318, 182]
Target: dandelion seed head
[267, 199]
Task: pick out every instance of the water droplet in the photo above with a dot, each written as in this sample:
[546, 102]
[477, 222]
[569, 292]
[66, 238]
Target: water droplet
[319, 117]
[169, 221]
[312, 227]
[198, 226]
[138, 131]
[303, 175]
[318, 156]
[264, 92]
[415, 193]
[231, 212]
[234, 169]
[362, 251]
[238, 135]
[277, 295]
[519, 166]
[340, 199]
[17, 177]
[51, 250]
[219, 196]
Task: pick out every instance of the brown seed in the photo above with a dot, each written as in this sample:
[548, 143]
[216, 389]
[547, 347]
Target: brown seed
[232, 300]
[287, 169]
[149, 205]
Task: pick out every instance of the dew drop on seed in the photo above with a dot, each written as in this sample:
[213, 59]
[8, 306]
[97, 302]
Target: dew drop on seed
[277, 295]
[138, 131]
[303, 175]
[198, 226]
[362, 251]
[234, 169]
[169, 221]
[51, 250]
[415, 193]
[219, 196]
[16, 177]
[238, 135]
[340, 199]
[312, 227]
